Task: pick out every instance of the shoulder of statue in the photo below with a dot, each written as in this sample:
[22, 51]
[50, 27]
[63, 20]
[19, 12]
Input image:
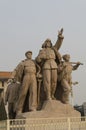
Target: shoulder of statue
[20, 64]
[54, 48]
[23, 60]
[42, 50]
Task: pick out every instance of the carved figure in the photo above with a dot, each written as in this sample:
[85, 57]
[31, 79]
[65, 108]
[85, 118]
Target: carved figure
[25, 73]
[3, 115]
[64, 71]
[48, 58]
[11, 96]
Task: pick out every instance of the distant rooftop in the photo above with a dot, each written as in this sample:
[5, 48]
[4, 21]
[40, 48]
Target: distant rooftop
[5, 75]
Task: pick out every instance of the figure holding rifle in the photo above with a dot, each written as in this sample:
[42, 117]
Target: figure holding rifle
[64, 71]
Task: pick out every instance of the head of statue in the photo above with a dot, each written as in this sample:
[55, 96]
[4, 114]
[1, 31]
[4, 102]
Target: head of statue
[47, 43]
[28, 54]
[66, 57]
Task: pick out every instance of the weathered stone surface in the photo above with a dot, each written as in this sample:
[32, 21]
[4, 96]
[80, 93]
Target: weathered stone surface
[52, 109]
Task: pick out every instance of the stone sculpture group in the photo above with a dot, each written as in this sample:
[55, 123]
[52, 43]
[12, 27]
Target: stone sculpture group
[46, 78]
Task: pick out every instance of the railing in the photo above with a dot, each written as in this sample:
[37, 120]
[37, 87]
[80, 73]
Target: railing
[3, 125]
[44, 124]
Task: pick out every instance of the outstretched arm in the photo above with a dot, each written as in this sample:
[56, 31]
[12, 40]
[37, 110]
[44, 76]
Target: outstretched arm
[59, 40]
[76, 66]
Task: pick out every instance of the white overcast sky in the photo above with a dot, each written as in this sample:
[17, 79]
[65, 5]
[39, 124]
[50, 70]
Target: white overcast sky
[25, 24]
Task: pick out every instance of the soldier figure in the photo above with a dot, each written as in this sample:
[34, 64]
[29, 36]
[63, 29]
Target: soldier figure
[48, 56]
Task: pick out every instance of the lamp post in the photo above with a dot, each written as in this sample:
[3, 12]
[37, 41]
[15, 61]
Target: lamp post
[72, 96]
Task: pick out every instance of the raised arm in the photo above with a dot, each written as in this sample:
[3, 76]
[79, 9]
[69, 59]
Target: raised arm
[59, 40]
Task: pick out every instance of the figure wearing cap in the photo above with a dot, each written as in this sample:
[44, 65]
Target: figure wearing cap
[25, 73]
[64, 71]
[28, 52]
[47, 58]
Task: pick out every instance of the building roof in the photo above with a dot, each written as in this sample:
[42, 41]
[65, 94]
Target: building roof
[5, 75]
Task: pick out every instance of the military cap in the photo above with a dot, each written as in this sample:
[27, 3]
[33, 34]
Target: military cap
[44, 44]
[28, 52]
[66, 56]
[47, 40]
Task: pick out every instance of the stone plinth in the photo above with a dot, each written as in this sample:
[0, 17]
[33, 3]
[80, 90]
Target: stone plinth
[52, 109]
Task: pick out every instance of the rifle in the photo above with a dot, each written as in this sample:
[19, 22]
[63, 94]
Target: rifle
[76, 63]
[73, 62]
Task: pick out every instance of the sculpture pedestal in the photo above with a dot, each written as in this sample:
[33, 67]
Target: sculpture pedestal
[52, 109]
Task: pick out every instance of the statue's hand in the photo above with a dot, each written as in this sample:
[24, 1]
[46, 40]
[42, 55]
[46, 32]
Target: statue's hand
[78, 63]
[60, 33]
